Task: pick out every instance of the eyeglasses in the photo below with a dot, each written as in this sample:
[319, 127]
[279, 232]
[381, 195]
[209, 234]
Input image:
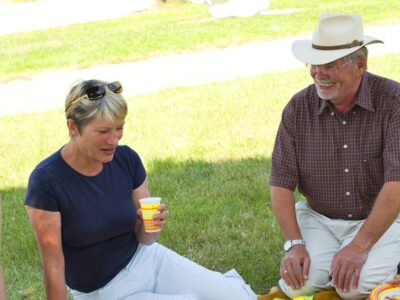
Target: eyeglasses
[329, 68]
[96, 91]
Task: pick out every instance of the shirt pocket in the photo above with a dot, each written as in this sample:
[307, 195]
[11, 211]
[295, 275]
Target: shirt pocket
[370, 179]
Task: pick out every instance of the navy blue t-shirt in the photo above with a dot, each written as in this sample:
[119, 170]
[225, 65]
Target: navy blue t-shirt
[97, 214]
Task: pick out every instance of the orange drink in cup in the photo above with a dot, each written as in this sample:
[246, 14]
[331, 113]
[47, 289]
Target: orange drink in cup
[149, 209]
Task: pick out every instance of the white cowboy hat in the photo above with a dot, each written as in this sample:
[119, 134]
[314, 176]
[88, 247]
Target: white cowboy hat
[337, 35]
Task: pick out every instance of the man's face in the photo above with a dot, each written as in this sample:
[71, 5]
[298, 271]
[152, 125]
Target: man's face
[338, 81]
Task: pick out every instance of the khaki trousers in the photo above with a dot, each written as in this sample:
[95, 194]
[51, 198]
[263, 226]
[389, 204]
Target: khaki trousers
[325, 236]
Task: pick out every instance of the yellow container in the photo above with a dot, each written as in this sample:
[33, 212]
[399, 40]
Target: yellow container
[149, 209]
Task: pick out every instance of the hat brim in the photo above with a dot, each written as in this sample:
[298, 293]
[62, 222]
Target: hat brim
[303, 51]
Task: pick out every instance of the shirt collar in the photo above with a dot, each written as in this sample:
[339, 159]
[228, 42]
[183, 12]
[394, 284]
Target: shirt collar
[323, 104]
[363, 97]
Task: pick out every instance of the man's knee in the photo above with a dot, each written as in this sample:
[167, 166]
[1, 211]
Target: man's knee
[365, 285]
[353, 294]
[308, 288]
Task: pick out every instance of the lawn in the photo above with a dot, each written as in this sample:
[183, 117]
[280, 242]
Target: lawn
[207, 151]
[175, 27]
[206, 148]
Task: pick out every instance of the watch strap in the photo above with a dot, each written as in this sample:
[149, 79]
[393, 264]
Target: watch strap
[290, 243]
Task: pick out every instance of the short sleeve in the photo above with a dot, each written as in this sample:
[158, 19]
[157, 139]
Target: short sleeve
[137, 169]
[284, 171]
[41, 191]
[392, 144]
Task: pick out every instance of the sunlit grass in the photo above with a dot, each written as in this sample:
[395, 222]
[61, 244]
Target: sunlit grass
[174, 27]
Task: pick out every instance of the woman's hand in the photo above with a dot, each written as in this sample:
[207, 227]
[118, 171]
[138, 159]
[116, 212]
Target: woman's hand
[160, 219]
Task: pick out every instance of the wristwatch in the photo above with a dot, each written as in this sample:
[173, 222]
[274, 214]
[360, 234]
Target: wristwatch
[290, 243]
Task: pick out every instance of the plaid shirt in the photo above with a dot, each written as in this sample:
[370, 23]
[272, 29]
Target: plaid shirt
[339, 162]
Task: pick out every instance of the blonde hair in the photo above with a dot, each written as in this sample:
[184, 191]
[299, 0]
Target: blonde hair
[82, 109]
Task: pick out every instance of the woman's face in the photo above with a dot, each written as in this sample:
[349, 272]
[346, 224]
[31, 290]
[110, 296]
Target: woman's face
[98, 139]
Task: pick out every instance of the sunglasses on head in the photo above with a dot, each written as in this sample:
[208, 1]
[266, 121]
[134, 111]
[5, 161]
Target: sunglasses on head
[98, 91]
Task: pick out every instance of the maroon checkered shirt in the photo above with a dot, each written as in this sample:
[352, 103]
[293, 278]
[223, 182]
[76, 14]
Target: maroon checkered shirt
[339, 162]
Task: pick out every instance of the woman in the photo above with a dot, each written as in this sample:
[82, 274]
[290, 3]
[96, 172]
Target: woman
[83, 203]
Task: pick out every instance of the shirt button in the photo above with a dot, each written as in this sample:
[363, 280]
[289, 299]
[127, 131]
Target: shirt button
[346, 170]
[345, 146]
[347, 193]
[344, 122]
[332, 113]
[350, 215]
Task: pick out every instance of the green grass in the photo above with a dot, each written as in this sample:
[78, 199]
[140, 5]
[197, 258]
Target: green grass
[174, 28]
[207, 151]
[206, 148]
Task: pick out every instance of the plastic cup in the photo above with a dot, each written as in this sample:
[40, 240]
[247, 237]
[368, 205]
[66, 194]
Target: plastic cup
[149, 209]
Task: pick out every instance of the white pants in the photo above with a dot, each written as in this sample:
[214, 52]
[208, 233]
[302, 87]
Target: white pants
[325, 236]
[157, 273]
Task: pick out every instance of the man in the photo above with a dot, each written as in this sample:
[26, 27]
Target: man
[339, 144]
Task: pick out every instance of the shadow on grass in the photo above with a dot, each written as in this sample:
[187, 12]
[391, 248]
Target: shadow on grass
[220, 216]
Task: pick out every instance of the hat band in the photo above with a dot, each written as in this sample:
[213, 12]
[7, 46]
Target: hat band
[355, 43]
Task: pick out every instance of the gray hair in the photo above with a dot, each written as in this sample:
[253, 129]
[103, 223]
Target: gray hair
[362, 52]
[81, 109]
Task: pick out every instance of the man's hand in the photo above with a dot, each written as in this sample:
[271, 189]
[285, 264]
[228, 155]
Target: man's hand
[347, 263]
[395, 280]
[295, 266]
